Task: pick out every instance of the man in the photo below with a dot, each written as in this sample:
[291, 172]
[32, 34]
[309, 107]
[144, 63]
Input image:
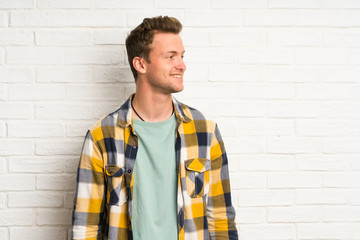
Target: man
[155, 168]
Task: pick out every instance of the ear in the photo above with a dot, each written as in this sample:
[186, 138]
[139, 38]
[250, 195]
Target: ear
[139, 64]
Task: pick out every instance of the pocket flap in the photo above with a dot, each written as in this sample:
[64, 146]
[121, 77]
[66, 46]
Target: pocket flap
[198, 164]
[114, 170]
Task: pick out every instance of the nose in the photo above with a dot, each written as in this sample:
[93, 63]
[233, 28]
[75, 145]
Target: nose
[181, 65]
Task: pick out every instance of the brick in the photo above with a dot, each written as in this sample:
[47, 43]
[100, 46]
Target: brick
[37, 18]
[33, 55]
[293, 38]
[184, 4]
[3, 233]
[63, 111]
[265, 56]
[266, 163]
[212, 18]
[196, 73]
[244, 108]
[294, 145]
[15, 75]
[3, 19]
[3, 165]
[268, 231]
[36, 164]
[16, 37]
[355, 198]
[239, 4]
[270, 18]
[248, 180]
[245, 145]
[293, 74]
[53, 217]
[241, 38]
[56, 182]
[78, 129]
[324, 162]
[266, 91]
[38, 233]
[95, 56]
[65, 4]
[355, 163]
[35, 129]
[342, 180]
[344, 74]
[16, 147]
[35, 199]
[137, 4]
[201, 90]
[113, 75]
[36, 92]
[11, 4]
[353, 57]
[110, 36]
[341, 4]
[64, 74]
[327, 230]
[2, 203]
[93, 92]
[2, 56]
[294, 180]
[15, 110]
[3, 93]
[261, 198]
[17, 182]
[318, 127]
[60, 147]
[341, 145]
[268, 127]
[96, 18]
[321, 196]
[64, 38]
[16, 217]
[294, 4]
[69, 200]
[294, 109]
[240, 73]
[212, 55]
[342, 38]
[328, 18]
[195, 37]
[294, 214]
[136, 17]
[341, 214]
[71, 165]
[341, 110]
[105, 108]
[327, 56]
[250, 215]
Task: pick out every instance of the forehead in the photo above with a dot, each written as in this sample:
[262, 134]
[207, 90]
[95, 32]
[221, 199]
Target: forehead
[164, 42]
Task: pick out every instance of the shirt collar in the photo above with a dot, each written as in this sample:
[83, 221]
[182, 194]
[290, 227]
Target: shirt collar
[125, 113]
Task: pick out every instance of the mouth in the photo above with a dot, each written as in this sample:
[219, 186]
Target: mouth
[177, 76]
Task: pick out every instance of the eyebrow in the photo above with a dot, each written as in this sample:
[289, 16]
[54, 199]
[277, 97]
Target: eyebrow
[175, 52]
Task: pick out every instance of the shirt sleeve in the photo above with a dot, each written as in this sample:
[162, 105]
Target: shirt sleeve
[220, 212]
[89, 202]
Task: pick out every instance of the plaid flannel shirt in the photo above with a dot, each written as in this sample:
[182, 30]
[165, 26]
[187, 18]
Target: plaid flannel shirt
[103, 198]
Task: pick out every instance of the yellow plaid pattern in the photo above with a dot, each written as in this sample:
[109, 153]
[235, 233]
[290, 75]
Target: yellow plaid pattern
[103, 198]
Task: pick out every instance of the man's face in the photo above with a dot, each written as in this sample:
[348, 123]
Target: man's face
[166, 68]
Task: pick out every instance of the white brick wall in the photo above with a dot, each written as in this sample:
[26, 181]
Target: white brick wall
[281, 77]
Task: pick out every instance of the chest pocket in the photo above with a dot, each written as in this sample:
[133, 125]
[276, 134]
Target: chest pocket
[197, 176]
[116, 185]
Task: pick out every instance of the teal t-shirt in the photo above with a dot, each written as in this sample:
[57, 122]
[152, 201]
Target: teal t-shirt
[154, 213]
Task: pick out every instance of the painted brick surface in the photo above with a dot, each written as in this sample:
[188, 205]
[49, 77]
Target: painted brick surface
[280, 77]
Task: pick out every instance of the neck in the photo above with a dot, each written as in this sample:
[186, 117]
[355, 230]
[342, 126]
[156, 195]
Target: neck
[152, 107]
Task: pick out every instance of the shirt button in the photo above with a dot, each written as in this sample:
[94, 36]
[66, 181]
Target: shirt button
[129, 170]
[133, 147]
